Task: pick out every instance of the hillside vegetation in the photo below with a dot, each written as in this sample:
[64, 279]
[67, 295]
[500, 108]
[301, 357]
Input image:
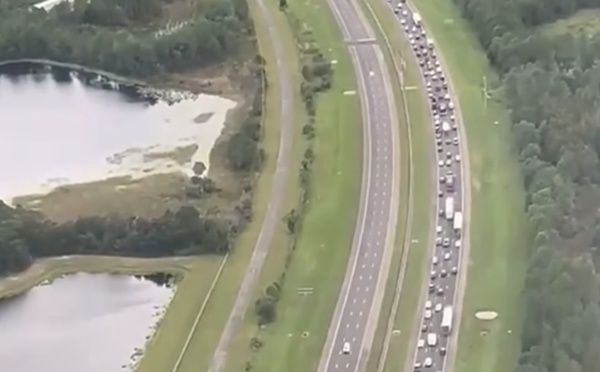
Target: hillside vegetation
[551, 83]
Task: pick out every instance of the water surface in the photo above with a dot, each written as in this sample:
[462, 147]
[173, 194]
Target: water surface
[80, 323]
[61, 132]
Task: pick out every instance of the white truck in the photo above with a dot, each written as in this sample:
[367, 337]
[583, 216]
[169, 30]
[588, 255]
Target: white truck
[432, 339]
[417, 18]
[449, 208]
[458, 222]
[447, 316]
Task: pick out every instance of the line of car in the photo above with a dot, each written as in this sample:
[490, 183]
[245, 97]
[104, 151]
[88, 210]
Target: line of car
[436, 321]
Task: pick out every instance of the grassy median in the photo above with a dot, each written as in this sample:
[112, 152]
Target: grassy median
[498, 222]
[295, 340]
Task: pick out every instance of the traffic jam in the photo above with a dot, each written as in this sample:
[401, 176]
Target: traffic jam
[438, 312]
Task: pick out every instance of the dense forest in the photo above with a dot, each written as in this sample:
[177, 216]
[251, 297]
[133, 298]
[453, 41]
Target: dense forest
[25, 236]
[118, 36]
[551, 83]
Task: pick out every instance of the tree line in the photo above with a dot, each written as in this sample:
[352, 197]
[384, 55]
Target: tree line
[26, 235]
[551, 84]
[114, 35]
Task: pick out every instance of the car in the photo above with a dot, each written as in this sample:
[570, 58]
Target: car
[457, 158]
[448, 155]
[431, 287]
[442, 180]
[440, 291]
[446, 242]
[424, 328]
[346, 348]
[441, 163]
[428, 314]
[404, 13]
[442, 351]
[428, 362]
[441, 193]
[438, 240]
[435, 260]
[449, 162]
[455, 140]
[454, 270]
[420, 343]
[447, 256]
[417, 366]
[427, 305]
[443, 273]
[448, 141]
[438, 229]
[438, 308]
[457, 244]
[433, 275]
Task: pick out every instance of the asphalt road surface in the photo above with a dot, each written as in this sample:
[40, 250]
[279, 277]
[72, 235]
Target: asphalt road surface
[359, 302]
[272, 218]
[446, 256]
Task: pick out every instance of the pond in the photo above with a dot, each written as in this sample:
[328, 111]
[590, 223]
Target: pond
[59, 131]
[82, 322]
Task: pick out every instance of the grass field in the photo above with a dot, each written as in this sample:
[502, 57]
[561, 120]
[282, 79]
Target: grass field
[585, 22]
[413, 121]
[294, 342]
[498, 222]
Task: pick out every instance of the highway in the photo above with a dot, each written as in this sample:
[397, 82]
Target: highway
[446, 266]
[355, 318]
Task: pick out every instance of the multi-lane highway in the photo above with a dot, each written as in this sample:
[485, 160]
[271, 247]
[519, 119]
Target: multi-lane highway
[439, 295]
[352, 328]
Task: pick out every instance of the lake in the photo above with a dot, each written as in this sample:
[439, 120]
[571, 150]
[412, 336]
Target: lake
[82, 322]
[63, 131]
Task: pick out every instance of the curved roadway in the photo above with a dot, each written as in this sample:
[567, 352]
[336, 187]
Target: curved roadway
[445, 283]
[359, 303]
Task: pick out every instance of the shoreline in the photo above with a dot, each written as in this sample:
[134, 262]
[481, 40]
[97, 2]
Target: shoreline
[79, 68]
[49, 269]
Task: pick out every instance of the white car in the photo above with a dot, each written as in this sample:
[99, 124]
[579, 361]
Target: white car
[346, 348]
[457, 244]
[421, 343]
[435, 260]
[428, 314]
[428, 362]
[457, 157]
[438, 229]
[438, 308]
[427, 305]
[449, 162]
[447, 256]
